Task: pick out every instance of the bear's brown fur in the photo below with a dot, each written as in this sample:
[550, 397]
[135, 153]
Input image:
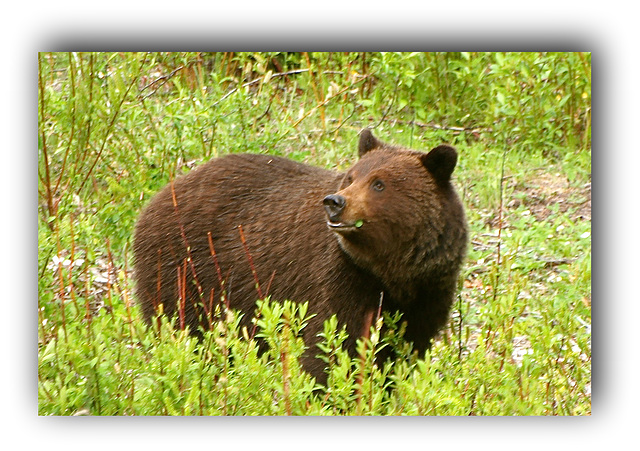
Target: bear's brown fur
[392, 224]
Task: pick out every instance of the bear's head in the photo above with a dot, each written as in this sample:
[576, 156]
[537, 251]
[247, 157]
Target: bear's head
[393, 206]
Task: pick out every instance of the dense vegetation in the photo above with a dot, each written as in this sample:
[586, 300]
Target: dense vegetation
[114, 128]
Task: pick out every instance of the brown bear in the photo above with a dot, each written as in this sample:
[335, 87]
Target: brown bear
[391, 227]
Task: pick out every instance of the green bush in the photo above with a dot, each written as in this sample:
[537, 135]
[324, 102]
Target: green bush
[115, 127]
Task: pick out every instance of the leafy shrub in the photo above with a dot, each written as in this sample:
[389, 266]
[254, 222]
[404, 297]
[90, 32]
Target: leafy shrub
[115, 127]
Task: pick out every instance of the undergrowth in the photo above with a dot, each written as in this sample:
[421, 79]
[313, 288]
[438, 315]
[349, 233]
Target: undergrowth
[115, 127]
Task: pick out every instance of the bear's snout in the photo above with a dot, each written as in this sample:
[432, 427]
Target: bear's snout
[334, 205]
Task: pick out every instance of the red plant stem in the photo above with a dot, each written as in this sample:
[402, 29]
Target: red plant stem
[122, 292]
[110, 126]
[72, 259]
[285, 369]
[255, 276]
[110, 271]
[210, 312]
[215, 260]
[368, 322]
[253, 268]
[63, 167]
[185, 240]
[500, 224]
[157, 300]
[47, 175]
[182, 291]
[61, 299]
[273, 274]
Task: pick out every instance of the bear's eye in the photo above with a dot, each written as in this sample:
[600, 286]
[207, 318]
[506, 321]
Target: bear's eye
[349, 179]
[378, 185]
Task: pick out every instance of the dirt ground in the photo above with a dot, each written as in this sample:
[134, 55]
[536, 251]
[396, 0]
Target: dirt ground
[547, 189]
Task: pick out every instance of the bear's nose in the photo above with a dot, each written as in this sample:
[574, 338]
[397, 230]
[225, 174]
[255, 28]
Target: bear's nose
[334, 204]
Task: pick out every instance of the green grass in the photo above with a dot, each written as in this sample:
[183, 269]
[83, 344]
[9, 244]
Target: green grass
[114, 128]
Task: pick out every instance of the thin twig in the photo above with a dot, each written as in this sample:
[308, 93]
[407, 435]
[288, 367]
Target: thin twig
[285, 368]
[443, 127]
[500, 224]
[45, 154]
[110, 126]
[63, 167]
[460, 320]
[393, 100]
[255, 278]
[328, 99]
[253, 268]
[214, 256]
[122, 291]
[279, 74]
[164, 79]
[185, 240]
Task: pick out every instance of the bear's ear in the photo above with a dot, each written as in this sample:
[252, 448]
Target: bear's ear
[440, 162]
[367, 142]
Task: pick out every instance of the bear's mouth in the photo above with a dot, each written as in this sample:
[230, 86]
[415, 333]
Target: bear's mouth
[343, 227]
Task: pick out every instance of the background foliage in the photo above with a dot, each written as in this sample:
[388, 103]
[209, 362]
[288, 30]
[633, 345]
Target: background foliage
[115, 127]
